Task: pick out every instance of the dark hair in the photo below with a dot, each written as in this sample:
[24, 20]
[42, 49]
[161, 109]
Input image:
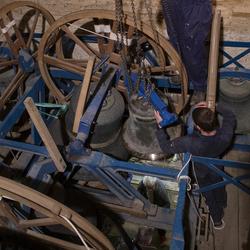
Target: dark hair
[205, 118]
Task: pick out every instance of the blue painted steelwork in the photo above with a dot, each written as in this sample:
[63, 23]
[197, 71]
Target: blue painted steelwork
[5, 52]
[178, 237]
[39, 170]
[123, 195]
[24, 147]
[234, 59]
[26, 61]
[15, 114]
[155, 100]
[211, 164]
[106, 168]
[240, 71]
[167, 117]
[90, 114]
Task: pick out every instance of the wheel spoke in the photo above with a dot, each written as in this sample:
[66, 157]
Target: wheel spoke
[12, 87]
[63, 64]
[160, 69]
[8, 39]
[131, 31]
[17, 31]
[37, 222]
[33, 28]
[101, 44]
[69, 65]
[111, 43]
[80, 43]
[50, 212]
[8, 63]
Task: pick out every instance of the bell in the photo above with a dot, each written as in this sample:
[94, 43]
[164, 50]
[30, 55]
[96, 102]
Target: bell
[106, 135]
[139, 131]
[234, 93]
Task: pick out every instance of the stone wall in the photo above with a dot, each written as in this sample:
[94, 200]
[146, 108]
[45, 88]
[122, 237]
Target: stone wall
[235, 13]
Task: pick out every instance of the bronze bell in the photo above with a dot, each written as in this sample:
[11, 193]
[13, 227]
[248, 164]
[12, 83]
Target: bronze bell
[139, 131]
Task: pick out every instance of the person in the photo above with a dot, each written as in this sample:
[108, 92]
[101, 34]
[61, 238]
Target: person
[208, 140]
[188, 25]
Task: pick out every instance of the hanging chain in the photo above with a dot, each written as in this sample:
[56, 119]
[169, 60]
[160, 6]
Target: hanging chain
[143, 73]
[138, 50]
[121, 34]
[117, 18]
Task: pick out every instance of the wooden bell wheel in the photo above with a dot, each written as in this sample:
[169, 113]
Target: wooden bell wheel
[46, 219]
[20, 37]
[72, 30]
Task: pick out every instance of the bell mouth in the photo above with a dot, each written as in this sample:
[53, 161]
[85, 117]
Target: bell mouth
[144, 155]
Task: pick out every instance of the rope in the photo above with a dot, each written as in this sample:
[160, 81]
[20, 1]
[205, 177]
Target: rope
[185, 177]
[76, 231]
[189, 187]
[92, 32]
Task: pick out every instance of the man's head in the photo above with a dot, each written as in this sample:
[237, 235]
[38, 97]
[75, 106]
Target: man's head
[205, 119]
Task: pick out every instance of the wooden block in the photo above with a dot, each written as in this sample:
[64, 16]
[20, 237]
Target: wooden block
[45, 134]
[83, 94]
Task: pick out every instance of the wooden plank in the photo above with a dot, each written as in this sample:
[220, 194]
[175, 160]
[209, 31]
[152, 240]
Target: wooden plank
[45, 134]
[83, 94]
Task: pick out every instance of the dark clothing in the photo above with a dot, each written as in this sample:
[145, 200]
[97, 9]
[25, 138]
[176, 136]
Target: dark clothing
[188, 24]
[206, 146]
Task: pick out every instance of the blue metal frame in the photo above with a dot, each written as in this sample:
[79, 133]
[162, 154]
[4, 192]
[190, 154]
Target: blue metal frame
[234, 60]
[240, 71]
[211, 164]
[178, 236]
[106, 168]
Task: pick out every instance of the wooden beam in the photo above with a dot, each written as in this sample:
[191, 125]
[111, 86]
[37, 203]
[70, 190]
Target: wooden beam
[83, 94]
[45, 134]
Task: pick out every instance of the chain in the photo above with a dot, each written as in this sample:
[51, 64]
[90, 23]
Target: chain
[117, 19]
[120, 29]
[138, 50]
[135, 20]
[148, 87]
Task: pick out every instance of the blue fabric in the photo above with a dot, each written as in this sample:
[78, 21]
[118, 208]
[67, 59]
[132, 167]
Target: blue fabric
[188, 24]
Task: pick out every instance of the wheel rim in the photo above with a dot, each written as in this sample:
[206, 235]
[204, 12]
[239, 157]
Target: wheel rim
[48, 213]
[21, 36]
